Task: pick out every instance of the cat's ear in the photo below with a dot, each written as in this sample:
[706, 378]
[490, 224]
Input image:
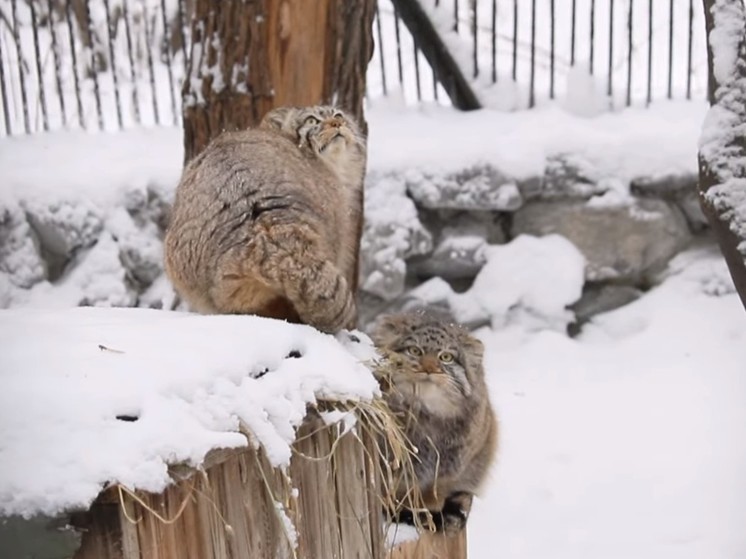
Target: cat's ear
[278, 118]
[392, 326]
[473, 347]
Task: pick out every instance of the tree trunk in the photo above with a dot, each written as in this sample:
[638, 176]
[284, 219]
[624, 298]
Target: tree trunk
[722, 173]
[249, 56]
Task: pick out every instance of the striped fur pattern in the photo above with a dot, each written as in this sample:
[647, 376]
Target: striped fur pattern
[433, 380]
[267, 221]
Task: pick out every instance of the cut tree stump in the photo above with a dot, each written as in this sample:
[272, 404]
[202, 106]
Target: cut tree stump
[237, 505]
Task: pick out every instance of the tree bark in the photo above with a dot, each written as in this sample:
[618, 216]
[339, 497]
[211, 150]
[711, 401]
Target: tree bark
[721, 155]
[250, 56]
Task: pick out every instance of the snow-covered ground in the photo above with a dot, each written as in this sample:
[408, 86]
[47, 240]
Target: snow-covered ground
[629, 441]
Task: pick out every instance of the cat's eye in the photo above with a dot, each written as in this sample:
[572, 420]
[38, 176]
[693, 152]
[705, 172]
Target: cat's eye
[414, 351]
[446, 356]
[312, 120]
[338, 115]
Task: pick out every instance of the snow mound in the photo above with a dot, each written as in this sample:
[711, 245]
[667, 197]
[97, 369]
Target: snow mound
[528, 282]
[90, 396]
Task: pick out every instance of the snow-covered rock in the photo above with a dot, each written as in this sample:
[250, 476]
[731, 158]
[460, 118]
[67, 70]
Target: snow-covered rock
[621, 242]
[476, 188]
[529, 281]
[569, 175]
[63, 227]
[392, 233]
[460, 239]
[21, 264]
[601, 298]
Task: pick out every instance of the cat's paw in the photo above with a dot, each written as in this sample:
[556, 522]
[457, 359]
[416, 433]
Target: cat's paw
[451, 519]
[456, 508]
[450, 522]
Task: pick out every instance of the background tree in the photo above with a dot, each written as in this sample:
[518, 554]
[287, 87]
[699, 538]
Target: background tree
[722, 154]
[249, 56]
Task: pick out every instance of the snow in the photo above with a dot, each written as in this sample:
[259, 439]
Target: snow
[727, 32]
[627, 144]
[512, 289]
[628, 441]
[190, 381]
[512, 286]
[95, 168]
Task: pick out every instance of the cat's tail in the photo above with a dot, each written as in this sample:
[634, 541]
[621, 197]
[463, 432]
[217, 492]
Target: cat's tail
[289, 259]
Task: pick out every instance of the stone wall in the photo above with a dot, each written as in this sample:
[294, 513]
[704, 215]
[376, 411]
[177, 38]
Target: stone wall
[627, 231]
[419, 226]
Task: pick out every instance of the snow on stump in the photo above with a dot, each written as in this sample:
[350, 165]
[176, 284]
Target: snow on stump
[170, 435]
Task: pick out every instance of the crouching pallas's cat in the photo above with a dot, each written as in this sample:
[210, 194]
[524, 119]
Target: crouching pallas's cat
[433, 381]
[267, 221]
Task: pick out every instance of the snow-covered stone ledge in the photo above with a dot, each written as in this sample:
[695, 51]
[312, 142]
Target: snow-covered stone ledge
[82, 216]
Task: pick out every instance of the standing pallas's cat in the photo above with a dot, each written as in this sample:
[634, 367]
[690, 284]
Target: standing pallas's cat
[433, 381]
[267, 221]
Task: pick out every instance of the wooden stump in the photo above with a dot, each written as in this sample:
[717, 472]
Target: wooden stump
[237, 506]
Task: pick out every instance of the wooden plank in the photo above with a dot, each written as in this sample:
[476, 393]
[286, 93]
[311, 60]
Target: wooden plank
[317, 514]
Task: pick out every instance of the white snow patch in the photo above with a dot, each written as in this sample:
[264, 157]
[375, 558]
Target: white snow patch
[188, 380]
[584, 97]
[631, 143]
[397, 534]
[95, 168]
[727, 32]
[287, 525]
[529, 281]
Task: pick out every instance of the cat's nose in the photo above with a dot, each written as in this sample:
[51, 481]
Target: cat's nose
[430, 364]
[334, 122]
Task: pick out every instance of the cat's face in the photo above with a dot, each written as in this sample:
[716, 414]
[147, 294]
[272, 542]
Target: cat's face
[327, 131]
[430, 356]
